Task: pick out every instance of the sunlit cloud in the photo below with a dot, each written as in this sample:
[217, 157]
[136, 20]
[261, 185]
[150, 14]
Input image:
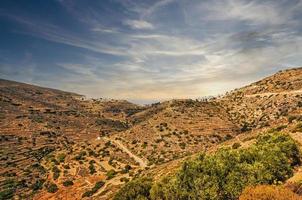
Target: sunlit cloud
[139, 24]
[160, 50]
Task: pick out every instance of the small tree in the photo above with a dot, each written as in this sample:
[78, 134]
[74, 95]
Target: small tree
[68, 183]
[52, 188]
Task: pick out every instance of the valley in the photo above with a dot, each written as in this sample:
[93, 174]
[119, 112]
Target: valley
[60, 145]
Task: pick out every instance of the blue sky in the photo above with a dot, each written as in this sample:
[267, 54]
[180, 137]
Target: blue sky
[148, 50]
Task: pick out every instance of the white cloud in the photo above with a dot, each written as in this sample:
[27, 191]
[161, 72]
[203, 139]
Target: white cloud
[149, 11]
[254, 12]
[138, 24]
[180, 63]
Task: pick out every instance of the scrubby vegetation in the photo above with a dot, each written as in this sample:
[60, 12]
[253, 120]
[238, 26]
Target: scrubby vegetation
[96, 187]
[137, 189]
[265, 192]
[298, 127]
[225, 174]
[110, 174]
[9, 189]
[68, 183]
[51, 187]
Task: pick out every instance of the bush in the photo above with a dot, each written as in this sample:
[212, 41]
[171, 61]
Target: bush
[87, 194]
[223, 175]
[56, 172]
[226, 173]
[126, 169]
[68, 183]
[182, 145]
[245, 127]
[91, 169]
[7, 194]
[298, 128]
[61, 157]
[279, 128]
[38, 184]
[110, 174]
[137, 189]
[52, 188]
[236, 145]
[8, 188]
[291, 118]
[266, 192]
[81, 156]
[96, 187]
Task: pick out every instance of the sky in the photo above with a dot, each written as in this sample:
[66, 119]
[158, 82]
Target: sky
[148, 50]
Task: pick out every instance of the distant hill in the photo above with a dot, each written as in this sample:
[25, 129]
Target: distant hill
[266, 102]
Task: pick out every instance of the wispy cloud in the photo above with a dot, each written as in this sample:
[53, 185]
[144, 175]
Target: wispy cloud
[171, 49]
[255, 12]
[139, 24]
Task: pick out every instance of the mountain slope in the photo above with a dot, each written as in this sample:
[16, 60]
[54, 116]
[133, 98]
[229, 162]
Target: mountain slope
[49, 136]
[266, 102]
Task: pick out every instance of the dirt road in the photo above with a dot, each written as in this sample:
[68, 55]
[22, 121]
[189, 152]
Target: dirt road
[139, 160]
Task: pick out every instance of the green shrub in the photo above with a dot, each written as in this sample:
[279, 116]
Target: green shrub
[182, 145]
[226, 173]
[91, 169]
[68, 183]
[126, 169]
[279, 128]
[8, 189]
[51, 188]
[56, 172]
[38, 185]
[245, 127]
[81, 156]
[136, 189]
[236, 145]
[223, 175]
[7, 194]
[110, 174]
[61, 157]
[298, 128]
[66, 166]
[291, 118]
[87, 194]
[96, 187]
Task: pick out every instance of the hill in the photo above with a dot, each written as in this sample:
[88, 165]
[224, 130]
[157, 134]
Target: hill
[57, 144]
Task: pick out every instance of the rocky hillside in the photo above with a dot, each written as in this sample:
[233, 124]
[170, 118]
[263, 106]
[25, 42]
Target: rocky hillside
[266, 102]
[59, 145]
[46, 134]
[178, 128]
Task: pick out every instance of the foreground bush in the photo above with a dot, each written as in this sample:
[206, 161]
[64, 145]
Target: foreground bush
[226, 173]
[137, 189]
[266, 192]
[223, 175]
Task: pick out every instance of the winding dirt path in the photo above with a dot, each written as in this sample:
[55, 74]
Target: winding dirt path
[116, 180]
[139, 160]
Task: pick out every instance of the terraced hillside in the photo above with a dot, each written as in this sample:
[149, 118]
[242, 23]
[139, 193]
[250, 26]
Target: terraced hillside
[178, 128]
[49, 136]
[266, 102]
[267, 107]
[59, 145]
